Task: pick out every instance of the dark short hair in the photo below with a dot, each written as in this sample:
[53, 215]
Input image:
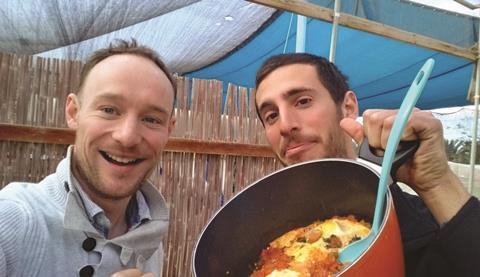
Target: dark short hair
[328, 74]
[119, 47]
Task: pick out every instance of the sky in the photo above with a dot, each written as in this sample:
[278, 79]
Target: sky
[451, 5]
[457, 122]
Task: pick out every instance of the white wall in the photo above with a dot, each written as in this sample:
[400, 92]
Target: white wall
[463, 172]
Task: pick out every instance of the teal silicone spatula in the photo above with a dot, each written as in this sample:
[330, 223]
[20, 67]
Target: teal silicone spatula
[355, 249]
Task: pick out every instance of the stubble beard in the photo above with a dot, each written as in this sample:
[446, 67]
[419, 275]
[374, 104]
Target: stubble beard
[89, 178]
[334, 146]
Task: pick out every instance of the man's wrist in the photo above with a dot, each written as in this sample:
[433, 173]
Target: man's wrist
[445, 198]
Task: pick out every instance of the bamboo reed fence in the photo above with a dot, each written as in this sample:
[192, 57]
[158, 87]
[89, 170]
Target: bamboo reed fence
[216, 149]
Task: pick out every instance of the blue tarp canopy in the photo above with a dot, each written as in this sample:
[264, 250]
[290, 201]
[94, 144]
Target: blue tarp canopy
[380, 69]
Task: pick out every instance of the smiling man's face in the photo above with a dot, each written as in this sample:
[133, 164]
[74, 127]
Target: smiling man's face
[300, 117]
[122, 119]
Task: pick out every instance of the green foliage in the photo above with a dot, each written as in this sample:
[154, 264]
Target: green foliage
[459, 151]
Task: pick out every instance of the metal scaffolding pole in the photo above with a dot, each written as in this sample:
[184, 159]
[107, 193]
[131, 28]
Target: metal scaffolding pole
[333, 40]
[301, 34]
[473, 151]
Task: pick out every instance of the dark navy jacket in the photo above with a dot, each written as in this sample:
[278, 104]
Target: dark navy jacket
[430, 250]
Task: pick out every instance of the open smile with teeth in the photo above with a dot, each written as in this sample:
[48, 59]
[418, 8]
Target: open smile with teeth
[119, 160]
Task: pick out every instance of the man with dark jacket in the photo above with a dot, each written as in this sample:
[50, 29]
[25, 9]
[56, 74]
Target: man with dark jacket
[309, 112]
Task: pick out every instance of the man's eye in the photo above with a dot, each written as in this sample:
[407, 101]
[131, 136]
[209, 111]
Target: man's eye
[152, 120]
[270, 117]
[303, 101]
[108, 110]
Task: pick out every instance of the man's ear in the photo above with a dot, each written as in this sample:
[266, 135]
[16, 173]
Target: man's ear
[71, 110]
[350, 105]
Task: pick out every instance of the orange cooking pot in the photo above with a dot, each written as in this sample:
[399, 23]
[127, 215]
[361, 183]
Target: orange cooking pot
[295, 196]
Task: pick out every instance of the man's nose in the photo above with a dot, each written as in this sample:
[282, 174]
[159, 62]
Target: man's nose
[127, 132]
[288, 123]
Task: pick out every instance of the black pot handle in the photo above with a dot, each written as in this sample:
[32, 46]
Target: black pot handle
[405, 151]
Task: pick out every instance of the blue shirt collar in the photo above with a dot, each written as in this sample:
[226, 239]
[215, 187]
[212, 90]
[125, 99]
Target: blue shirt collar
[137, 211]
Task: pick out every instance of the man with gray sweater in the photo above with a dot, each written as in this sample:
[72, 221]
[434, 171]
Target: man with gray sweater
[98, 214]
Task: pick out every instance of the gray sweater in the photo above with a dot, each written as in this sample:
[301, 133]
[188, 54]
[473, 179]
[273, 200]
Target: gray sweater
[43, 228]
